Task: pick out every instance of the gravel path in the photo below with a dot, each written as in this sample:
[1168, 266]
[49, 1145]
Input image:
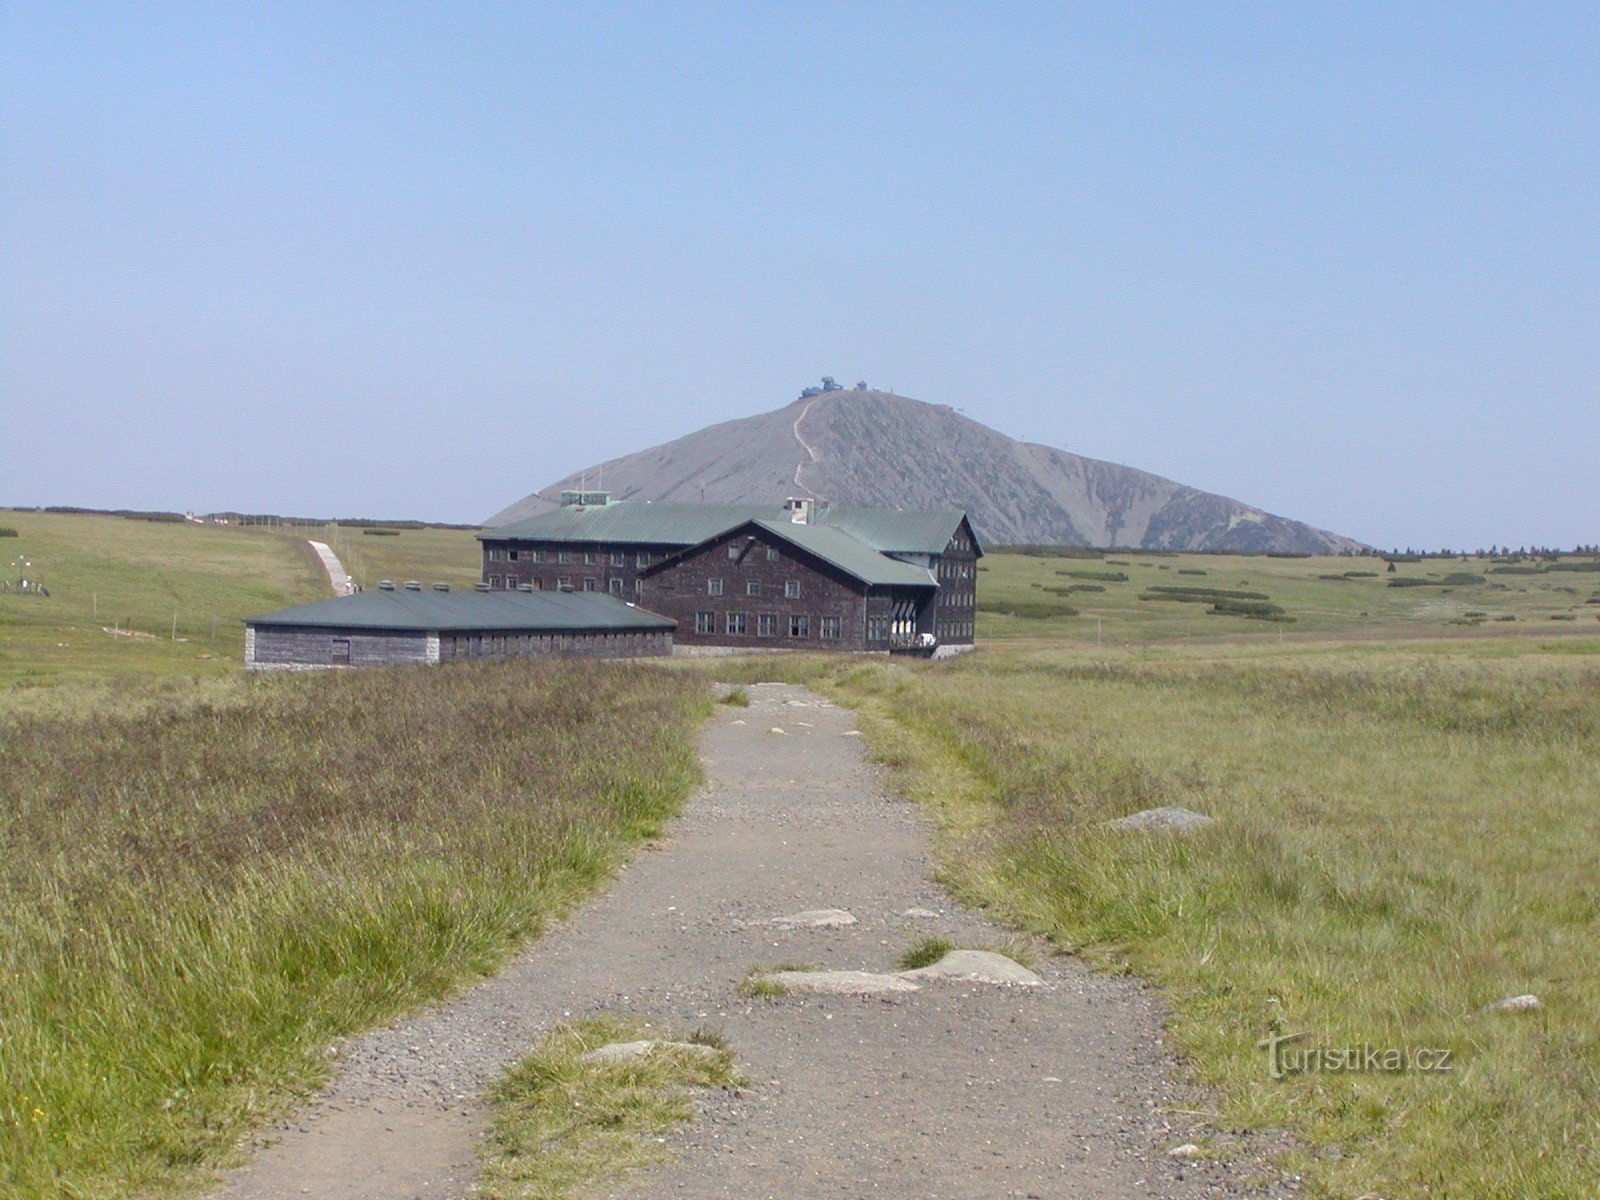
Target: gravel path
[338, 578]
[955, 1090]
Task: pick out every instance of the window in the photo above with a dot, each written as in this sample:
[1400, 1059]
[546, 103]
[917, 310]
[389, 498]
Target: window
[615, 585]
[564, 556]
[535, 555]
[733, 549]
[494, 554]
[564, 583]
[829, 627]
[618, 559]
[877, 629]
[638, 587]
[705, 622]
[494, 581]
[772, 554]
[641, 559]
[735, 623]
[588, 558]
[799, 627]
[791, 589]
[766, 624]
[511, 555]
[588, 583]
[752, 587]
[713, 587]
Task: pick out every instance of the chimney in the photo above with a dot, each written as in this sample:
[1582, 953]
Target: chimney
[799, 509]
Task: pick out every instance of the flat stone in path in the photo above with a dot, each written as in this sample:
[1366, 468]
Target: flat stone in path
[816, 918]
[977, 966]
[840, 983]
[628, 1051]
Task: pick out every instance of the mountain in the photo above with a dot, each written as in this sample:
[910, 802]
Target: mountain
[879, 449]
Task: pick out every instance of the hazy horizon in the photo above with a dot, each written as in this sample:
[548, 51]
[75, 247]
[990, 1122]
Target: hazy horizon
[1337, 263]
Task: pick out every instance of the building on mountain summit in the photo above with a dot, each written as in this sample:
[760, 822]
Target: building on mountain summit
[801, 575]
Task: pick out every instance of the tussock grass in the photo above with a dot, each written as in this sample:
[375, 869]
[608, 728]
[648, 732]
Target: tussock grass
[563, 1125]
[925, 951]
[197, 897]
[1402, 838]
[737, 698]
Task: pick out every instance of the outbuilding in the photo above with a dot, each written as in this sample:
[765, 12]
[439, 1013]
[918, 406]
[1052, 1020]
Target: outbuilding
[397, 625]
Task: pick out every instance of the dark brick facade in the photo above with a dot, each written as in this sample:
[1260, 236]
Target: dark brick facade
[567, 566]
[755, 591]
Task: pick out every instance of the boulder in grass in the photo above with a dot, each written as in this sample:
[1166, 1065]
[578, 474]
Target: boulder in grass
[1515, 1004]
[1170, 817]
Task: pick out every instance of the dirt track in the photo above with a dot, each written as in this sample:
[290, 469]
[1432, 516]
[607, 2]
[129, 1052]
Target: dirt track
[957, 1090]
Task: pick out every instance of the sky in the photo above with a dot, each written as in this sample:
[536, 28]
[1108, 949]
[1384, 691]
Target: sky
[1338, 260]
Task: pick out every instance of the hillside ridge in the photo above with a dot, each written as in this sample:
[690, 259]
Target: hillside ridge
[880, 449]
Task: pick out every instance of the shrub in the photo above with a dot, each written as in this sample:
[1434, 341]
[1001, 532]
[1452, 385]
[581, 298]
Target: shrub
[1254, 609]
[1026, 609]
[1194, 595]
[381, 532]
[1098, 576]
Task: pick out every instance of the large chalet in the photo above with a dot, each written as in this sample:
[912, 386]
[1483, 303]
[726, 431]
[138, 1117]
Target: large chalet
[801, 575]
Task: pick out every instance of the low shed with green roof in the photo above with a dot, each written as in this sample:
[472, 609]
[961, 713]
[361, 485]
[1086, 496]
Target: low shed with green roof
[412, 625]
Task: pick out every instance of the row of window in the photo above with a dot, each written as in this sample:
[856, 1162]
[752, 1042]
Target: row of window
[588, 558]
[955, 599]
[955, 629]
[950, 568]
[564, 583]
[752, 587]
[737, 624]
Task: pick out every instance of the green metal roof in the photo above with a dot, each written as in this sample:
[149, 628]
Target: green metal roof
[437, 612]
[660, 523]
[851, 555]
[895, 530]
[666, 522]
[832, 546]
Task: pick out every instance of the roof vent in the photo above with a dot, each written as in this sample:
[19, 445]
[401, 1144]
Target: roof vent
[413, 586]
[386, 585]
[799, 509]
[441, 587]
[480, 587]
[574, 499]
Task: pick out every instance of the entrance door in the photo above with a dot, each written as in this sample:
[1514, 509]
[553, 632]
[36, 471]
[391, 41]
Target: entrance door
[341, 652]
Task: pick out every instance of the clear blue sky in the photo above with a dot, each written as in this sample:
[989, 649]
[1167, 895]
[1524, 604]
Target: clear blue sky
[1338, 260]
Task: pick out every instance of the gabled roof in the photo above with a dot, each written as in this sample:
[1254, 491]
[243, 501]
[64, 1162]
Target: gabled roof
[667, 522]
[436, 612]
[895, 530]
[832, 546]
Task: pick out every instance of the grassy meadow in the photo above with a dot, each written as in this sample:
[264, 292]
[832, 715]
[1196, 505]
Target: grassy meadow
[202, 889]
[208, 877]
[117, 583]
[1405, 833]
[1125, 596]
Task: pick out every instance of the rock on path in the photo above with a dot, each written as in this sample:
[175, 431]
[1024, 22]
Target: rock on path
[960, 1090]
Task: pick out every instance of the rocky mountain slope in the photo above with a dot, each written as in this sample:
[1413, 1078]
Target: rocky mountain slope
[874, 448]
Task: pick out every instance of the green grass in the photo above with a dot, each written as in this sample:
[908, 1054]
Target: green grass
[202, 887]
[116, 584]
[925, 951]
[737, 698]
[563, 1126]
[1346, 597]
[1405, 833]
